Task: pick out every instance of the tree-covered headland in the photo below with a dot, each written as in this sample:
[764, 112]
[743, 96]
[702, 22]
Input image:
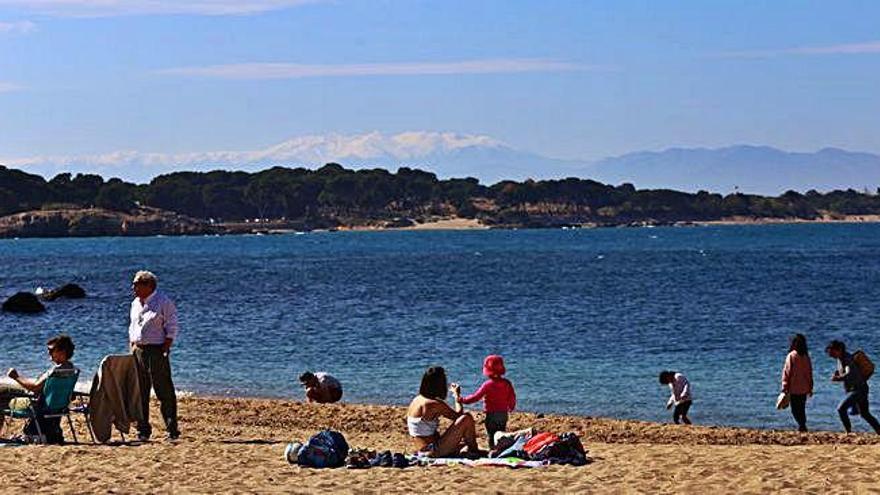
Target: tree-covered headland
[334, 195]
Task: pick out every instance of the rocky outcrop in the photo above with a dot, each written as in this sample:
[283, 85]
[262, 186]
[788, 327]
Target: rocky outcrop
[70, 291]
[95, 222]
[23, 302]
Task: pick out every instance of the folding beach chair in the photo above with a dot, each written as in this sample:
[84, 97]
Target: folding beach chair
[54, 403]
[82, 407]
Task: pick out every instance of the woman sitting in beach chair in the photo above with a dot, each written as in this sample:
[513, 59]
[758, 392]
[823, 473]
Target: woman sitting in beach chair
[60, 350]
[423, 419]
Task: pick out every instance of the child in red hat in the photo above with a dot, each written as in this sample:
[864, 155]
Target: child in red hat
[497, 393]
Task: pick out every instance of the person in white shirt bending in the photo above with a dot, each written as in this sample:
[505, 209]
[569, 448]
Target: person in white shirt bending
[321, 387]
[681, 397]
[151, 333]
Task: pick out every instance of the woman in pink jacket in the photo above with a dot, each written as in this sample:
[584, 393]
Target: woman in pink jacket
[797, 379]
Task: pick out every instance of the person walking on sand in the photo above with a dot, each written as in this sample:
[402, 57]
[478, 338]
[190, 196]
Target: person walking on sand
[797, 379]
[854, 384]
[681, 397]
[151, 333]
[497, 394]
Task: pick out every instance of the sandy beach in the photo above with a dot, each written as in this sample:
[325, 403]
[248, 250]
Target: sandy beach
[827, 218]
[455, 223]
[449, 223]
[236, 445]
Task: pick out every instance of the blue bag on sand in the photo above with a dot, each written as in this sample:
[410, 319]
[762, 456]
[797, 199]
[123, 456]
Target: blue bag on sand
[326, 449]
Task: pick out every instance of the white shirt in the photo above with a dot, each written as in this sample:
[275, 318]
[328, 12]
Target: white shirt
[152, 321]
[681, 389]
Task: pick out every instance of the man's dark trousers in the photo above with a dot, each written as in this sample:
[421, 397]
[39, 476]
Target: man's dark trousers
[154, 371]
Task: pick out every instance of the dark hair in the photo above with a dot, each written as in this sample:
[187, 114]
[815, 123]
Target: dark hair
[837, 345]
[63, 342]
[434, 383]
[666, 377]
[307, 377]
[799, 344]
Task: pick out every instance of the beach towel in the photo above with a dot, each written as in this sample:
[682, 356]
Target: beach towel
[508, 462]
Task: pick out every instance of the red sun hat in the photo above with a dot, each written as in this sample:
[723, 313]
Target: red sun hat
[494, 365]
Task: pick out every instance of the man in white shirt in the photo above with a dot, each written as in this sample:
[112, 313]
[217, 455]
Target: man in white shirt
[151, 333]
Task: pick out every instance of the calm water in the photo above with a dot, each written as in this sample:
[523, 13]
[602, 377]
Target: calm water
[584, 318]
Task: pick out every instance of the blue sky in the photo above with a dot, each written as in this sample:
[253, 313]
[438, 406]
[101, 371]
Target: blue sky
[567, 79]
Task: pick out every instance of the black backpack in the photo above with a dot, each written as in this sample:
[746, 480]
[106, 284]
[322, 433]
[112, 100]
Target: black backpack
[567, 450]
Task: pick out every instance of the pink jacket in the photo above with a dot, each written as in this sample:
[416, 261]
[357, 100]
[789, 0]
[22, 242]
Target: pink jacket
[797, 374]
[497, 393]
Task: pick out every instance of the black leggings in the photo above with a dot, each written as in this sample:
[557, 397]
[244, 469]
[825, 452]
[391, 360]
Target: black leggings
[858, 398]
[799, 410]
[681, 412]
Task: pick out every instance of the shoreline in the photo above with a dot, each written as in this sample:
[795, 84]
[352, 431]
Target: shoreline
[236, 444]
[471, 224]
[91, 223]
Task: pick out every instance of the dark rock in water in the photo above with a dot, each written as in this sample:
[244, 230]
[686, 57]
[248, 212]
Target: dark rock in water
[71, 291]
[23, 302]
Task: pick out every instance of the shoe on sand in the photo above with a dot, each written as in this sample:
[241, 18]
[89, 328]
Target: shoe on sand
[357, 459]
[399, 460]
[384, 459]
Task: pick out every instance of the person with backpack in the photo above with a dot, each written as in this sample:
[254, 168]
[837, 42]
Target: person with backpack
[681, 396]
[797, 379]
[423, 419]
[497, 394]
[854, 383]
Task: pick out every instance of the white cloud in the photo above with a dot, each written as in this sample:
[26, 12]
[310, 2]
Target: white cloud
[8, 87]
[867, 47]
[103, 8]
[18, 27]
[296, 71]
[313, 150]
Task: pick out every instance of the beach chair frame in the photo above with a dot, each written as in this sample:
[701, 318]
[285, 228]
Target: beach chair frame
[57, 394]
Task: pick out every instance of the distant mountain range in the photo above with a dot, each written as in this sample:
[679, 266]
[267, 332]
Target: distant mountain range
[752, 169]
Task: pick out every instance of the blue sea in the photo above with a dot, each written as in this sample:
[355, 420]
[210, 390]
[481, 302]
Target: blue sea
[585, 319]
